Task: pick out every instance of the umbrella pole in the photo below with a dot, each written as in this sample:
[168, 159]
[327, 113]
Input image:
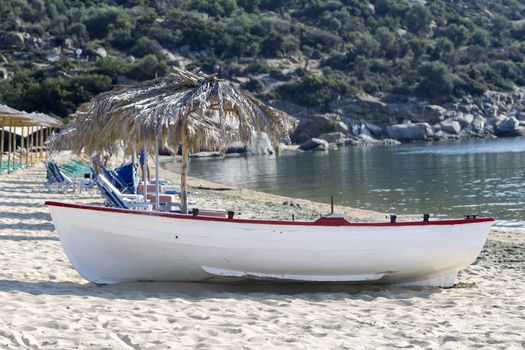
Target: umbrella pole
[9, 150]
[184, 173]
[48, 137]
[22, 145]
[135, 179]
[31, 143]
[14, 148]
[27, 145]
[157, 183]
[41, 143]
[37, 142]
[145, 172]
[2, 148]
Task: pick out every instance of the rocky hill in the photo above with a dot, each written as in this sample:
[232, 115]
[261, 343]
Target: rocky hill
[370, 69]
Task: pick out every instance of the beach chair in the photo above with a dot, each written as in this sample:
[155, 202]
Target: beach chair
[114, 198]
[128, 175]
[123, 178]
[117, 199]
[115, 180]
[56, 180]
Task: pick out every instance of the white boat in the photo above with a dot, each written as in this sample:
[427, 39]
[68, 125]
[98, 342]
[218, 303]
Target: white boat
[107, 245]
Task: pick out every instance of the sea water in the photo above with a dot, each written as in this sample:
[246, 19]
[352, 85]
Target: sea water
[447, 179]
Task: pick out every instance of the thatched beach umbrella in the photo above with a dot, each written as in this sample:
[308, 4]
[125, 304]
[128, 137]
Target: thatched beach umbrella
[22, 124]
[186, 110]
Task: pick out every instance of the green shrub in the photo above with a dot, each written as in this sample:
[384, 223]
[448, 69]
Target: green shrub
[436, 80]
[148, 67]
[103, 20]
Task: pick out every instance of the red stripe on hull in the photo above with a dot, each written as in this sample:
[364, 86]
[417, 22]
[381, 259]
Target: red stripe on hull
[324, 221]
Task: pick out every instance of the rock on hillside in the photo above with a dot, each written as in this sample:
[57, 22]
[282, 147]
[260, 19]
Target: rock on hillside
[369, 119]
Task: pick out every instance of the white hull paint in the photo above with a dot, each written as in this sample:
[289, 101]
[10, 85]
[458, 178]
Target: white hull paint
[111, 246]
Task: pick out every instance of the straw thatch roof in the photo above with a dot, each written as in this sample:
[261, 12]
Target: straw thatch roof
[213, 112]
[47, 121]
[12, 117]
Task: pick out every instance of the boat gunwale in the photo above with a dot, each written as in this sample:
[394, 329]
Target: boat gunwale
[323, 221]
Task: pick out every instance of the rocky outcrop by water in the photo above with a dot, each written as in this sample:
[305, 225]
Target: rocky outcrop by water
[365, 120]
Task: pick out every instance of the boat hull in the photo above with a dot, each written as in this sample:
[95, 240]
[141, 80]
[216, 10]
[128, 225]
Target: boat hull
[110, 246]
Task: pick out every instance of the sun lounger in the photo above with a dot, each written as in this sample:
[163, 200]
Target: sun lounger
[56, 180]
[114, 198]
[117, 199]
[60, 181]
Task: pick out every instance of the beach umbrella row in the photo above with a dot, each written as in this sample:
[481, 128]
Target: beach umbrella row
[186, 111]
[32, 129]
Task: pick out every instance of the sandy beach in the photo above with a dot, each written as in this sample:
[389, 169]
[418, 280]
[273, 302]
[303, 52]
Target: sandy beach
[47, 305]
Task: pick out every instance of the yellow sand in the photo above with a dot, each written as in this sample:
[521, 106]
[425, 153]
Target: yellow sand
[44, 303]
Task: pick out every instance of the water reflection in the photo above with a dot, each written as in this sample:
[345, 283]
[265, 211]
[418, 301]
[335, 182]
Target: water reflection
[455, 178]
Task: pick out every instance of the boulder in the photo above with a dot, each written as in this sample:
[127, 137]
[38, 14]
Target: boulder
[341, 126]
[314, 144]
[52, 56]
[333, 137]
[101, 52]
[368, 139]
[451, 126]
[410, 132]
[507, 127]
[478, 124]
[374, 129]
[465, 119]
[32, 43]
[69, 44]
[205, 154]
[390, 142]
[260, 145]
[4, 74]
[12, 40]
[314, 125]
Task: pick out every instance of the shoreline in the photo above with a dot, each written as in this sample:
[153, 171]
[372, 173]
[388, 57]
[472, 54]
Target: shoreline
[315, 209]
[245, 194]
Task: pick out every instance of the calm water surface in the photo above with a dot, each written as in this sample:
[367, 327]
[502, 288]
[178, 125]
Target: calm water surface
[485, 177]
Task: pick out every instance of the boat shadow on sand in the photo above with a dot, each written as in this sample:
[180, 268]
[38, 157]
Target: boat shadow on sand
[203, 291]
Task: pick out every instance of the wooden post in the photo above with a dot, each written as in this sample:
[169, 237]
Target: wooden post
[41, 142]
[35, 144]
[31, 143]
[145, 172]
[9, 150]
[46, 138]
[22, 145]
[184, 173]
[135, 176]
[14, 147]
[157, 182]
[27, 146]
[2, 148]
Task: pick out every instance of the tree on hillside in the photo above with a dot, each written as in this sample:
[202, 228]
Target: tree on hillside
[436, 80]
[417, 19]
